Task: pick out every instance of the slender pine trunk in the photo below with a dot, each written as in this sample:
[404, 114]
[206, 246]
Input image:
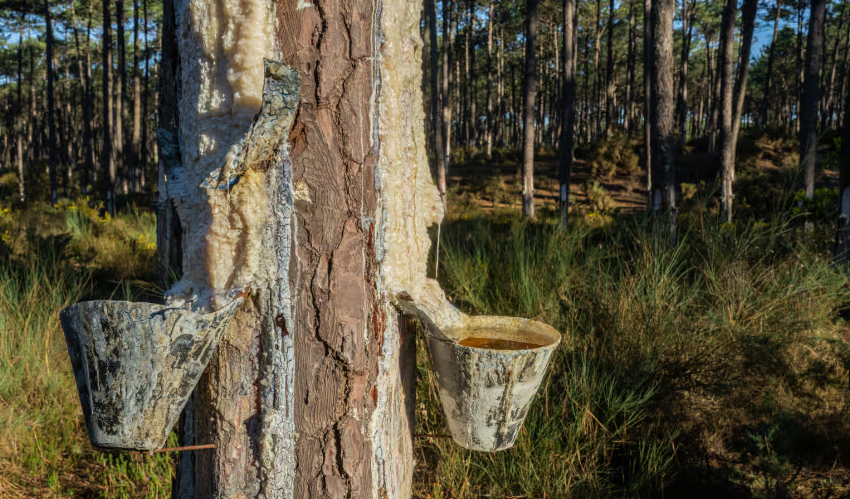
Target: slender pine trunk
[54, 163]
[107, 159]
[662, 117]
[770, 58]
[568, 114]
[528, 104]
[809, 111]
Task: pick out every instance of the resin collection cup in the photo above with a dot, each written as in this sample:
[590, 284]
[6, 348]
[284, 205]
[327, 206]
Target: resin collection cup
[488, 370]
[135, 365]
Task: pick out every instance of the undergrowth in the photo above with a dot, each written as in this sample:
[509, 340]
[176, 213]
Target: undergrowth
[51, 258]
[672, 357]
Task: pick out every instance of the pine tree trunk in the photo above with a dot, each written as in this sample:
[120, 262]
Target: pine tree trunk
[490, 80]
[683, 82]
[770, 58]
[798, 111]
[87, 147]
[19, 119]
[431, 7]
[717, 102]
[107, 160]
[469, 78]
[568, 114]
[528, 107]
[144, 146]
[609, 78]
[841, 253]
[500, 102]
[448, 66]
[827, 111]
[748, 21]
[809, 110]
[597, 80]
[137, 104]
[92, 151]
[66, 134]
[54, 163]
[120, 84]
[663, 108]
[310, 393]
[647, 93]
[726, 67]
[630, 72]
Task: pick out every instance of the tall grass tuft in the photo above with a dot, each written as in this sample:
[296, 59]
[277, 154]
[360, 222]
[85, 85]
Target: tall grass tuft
[654, 334]
[44, 450]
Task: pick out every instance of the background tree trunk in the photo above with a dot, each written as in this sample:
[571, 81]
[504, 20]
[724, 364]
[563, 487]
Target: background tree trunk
[809, 105]
[841, 253]
[490, 80]
[770, 57]
[683, 79]
[663, 108]
[137, 105]
[630, 72]
[610, 119]
[568, 114]
[647, 95]
[431, 6]
[107, 160]
[528, 107]
[726, 68]
[54, 163]
[748, 21]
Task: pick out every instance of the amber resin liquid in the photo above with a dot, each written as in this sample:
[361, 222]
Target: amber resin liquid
[497, 344]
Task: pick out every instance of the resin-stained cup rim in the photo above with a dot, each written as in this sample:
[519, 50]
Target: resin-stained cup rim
[505, 328]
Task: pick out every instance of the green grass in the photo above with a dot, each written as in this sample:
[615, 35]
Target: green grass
[44, 450]
[719, 364]
[672, 354]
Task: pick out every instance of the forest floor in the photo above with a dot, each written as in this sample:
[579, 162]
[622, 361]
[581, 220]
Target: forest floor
[715, 368]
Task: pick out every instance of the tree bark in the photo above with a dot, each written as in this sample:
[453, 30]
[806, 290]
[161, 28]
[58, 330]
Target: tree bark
[647, 92]
[310, 393]
[609, 76]
[770, 58]
[630, 71]
[798, 111]
[748, 22]
[137, 105]
[528, 106]
[841, 252]
[683, 81]
[449, 21]
[107, 159]
[597, 79]
[726, 65]
[663, 108]
[568, 114]
[827, 111]
[85, 82]
[120, 84]
[490, 80]
[809, 111]
[19, 119]
[431, 7]
[54, 163]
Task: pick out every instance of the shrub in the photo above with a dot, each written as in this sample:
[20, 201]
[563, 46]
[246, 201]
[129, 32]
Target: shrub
[612, 154]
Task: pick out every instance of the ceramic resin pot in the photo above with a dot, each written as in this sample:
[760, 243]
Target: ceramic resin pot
[488, 371]
[136, 364]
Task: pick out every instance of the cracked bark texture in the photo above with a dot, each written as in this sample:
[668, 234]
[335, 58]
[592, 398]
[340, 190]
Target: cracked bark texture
[311, 391]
